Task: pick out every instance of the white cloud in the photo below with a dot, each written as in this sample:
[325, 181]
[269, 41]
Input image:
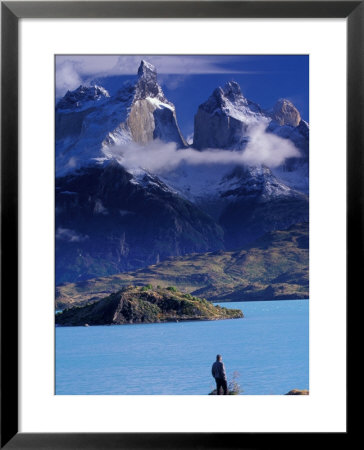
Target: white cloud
[267, 148]
[175, 64]
[73, 70]
[67, 77]
[158, 157]
[97, 65]
[172, 82]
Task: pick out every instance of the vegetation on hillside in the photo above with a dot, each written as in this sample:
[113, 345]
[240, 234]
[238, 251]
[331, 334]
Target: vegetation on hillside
[273, 267]
[145, 305]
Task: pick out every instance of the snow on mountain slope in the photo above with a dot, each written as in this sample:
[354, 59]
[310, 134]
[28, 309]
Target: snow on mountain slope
[227, 120]
[223, 120]
[84, 127]
[294, 171]
[89, 121]
[149, 196]
[212, 187]
[92, 127]
[109, 220]
[82, 98]
[249, 182]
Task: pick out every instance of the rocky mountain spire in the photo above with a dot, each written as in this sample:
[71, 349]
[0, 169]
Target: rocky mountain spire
[222, 121]
[147, 71]
[90, 121]
[147, 84]
[285, 113]
[232, 92]
[152, 116]
[222, 96]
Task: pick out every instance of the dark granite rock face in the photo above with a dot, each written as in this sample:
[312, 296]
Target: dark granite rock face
[222, 121]
[258, 203]
[152, 116]
[227, 120]
[107, 222]
[147, 84]
[217, 131]
[244, 220]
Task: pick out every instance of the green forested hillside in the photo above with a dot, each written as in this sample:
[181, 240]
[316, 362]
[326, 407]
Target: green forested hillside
[273, 267]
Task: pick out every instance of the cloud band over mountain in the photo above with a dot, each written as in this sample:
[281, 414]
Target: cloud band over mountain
[263, 149]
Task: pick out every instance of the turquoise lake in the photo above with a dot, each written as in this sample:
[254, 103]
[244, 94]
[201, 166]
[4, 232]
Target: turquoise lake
[269, 348]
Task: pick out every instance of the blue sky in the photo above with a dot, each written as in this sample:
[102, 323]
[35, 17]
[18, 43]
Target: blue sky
[188, 80]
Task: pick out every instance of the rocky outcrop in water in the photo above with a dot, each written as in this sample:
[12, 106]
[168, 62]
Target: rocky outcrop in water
[275, 267]
[145, 305]
[298, 392]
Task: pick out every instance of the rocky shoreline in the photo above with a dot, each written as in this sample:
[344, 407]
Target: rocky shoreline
[298, 392]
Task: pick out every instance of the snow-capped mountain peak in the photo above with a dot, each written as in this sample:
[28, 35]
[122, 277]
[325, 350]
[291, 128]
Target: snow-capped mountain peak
[147, 85]
[139, 112]
[230, 101]
[223, 97]
[231, 92]
[83, 96]
[147, 70]
[223, 120]
[228, 120]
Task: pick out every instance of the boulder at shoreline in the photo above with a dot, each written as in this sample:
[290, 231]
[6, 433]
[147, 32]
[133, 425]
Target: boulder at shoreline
[298, 392]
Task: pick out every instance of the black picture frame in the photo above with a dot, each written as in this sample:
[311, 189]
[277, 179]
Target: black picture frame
[11, 12]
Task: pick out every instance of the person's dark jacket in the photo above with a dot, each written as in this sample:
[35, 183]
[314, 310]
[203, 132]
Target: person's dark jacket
[218, 370]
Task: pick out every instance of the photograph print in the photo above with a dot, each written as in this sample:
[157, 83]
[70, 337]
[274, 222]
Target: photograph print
[182, 224]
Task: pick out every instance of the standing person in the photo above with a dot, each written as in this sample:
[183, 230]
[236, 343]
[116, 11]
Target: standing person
[218, 372]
